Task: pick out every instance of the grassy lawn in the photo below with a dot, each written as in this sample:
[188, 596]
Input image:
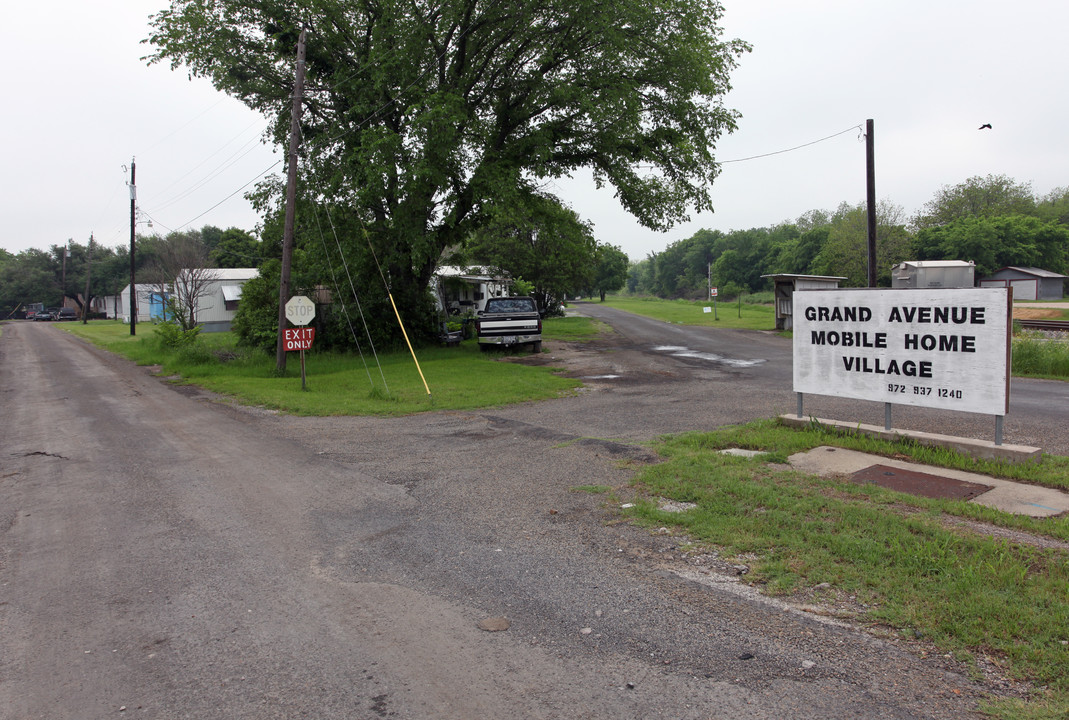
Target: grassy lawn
[459, 378]
[904, 569]
[689, 312]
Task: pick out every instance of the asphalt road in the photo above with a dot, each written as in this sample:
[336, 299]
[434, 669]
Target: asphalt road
[165, 555]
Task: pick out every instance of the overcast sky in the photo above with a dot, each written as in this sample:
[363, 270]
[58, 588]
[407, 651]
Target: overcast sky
[81, 103]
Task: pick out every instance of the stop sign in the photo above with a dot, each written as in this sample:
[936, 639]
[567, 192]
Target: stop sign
[300, 310]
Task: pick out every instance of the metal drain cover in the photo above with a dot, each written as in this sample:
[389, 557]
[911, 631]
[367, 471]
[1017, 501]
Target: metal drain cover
[918, 483]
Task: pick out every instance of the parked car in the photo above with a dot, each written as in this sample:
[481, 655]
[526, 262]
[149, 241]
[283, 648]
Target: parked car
[30, 314]
[42, 315]
[66, 314]
[509, 321]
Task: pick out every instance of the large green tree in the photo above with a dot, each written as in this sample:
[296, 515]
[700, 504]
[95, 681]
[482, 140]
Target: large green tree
[610, 269]
[544, 243]
[977, 197]
[421, 115]
[995, 242]
[845, 251]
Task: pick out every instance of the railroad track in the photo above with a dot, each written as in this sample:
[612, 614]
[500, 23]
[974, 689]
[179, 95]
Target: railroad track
[1055, 325]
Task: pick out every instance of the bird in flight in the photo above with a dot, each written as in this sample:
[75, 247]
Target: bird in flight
[985, 126]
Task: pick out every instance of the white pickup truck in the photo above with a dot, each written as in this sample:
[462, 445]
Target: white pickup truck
[508, 321]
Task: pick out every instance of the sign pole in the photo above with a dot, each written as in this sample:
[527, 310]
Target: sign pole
[302, 370]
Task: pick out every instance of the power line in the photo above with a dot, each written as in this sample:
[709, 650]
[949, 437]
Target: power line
[797, 147]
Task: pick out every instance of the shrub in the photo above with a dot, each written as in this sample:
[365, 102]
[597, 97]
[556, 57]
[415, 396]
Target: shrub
[171, 335]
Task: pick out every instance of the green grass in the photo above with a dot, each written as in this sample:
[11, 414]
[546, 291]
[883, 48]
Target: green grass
[572, 329]
[459, 378]
[966, 592]
[1036, 356]
[688, 312]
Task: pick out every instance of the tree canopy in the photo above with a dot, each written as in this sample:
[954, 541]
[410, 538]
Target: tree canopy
[420, 117]
[543, 243]
[977, 197]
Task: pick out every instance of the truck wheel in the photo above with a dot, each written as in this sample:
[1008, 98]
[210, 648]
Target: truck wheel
[536, 347]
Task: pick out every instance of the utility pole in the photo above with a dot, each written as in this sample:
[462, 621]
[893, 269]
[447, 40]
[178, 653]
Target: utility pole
[291, 206]
[870, 186]
[133, 219]
[66, 254]
[88, 268]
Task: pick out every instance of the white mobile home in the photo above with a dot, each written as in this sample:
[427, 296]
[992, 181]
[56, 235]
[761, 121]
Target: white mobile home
[218, 292]
[461, 290]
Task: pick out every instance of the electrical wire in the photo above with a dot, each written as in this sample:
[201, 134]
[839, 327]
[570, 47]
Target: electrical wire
[797, 147]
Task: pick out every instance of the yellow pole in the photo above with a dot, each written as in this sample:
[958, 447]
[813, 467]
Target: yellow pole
[420, 370]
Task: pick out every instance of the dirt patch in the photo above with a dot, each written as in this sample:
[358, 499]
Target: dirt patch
[1035, 313]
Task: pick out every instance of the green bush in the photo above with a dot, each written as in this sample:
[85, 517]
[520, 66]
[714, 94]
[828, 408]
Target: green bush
[171, 335]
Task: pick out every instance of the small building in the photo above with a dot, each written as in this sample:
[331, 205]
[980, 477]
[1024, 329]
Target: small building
[1028, 283]
[461, 290]
[933, 274]
[218, 294]
[150, 302]
[784, 286]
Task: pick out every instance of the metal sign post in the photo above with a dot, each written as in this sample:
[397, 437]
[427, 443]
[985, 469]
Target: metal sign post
[299, 311]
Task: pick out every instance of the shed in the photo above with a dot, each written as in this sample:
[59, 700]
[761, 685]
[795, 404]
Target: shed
[150, 300]
[1028, 283]
[784, 287]
[933, 274]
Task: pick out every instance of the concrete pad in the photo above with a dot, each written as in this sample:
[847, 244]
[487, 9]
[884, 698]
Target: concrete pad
[739, 452]
[983, 449]
[1005, 495]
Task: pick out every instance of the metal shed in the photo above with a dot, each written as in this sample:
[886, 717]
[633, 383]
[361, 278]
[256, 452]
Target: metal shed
[784, 286]
[1028, 283]
[933, 274]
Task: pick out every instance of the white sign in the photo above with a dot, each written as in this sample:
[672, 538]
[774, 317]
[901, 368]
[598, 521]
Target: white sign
[712, 292]
[936, 347]
[300, 310]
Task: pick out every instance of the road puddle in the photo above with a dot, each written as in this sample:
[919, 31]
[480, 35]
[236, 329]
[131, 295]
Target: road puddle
[684, 352]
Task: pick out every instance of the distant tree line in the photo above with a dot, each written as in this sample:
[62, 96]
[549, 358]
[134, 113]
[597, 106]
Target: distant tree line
[42, 276]
[993, 221]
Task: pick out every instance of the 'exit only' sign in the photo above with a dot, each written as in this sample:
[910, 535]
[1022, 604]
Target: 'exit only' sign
[298, 339]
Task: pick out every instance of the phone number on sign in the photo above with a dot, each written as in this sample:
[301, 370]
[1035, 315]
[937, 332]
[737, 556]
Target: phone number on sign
[920, 390]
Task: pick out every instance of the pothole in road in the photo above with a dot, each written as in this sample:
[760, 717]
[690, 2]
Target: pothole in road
[685, 352]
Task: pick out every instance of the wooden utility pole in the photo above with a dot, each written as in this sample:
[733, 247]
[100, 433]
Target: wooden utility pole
[66, 254]
[88, 268]
[870, 184]
[133, 220]
[291, 206]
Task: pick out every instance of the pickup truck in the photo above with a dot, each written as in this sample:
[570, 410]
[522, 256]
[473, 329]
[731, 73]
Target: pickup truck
[508, 321]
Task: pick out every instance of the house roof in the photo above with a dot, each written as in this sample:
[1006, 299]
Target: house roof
[1038, 272]
[227, 274]
[792, 276]
[937, 263]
